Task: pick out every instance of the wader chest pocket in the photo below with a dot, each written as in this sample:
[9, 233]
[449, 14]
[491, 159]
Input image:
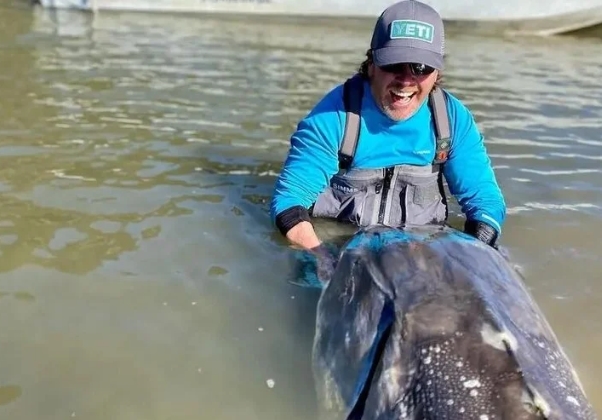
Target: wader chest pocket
[423, 201]
[349, 199]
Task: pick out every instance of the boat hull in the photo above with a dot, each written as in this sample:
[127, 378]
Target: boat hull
[553, 17]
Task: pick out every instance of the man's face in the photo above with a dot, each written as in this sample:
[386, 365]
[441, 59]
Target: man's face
[400, 89]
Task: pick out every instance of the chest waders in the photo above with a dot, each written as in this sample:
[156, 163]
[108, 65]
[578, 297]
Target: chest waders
[393, 196]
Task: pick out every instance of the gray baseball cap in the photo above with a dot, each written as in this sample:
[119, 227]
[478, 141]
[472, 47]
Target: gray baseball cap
[408, 32]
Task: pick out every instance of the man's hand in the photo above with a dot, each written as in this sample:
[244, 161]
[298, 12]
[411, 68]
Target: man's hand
[482, 231]
[326, 262]
[303, 236]
[316, 258]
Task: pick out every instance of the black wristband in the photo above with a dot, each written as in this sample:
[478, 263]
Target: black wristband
[482, 231]
[291, 217]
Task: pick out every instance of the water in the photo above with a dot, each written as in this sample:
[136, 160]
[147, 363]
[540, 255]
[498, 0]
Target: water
[140, 277]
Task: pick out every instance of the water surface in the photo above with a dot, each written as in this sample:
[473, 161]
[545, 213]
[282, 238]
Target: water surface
[140, 277]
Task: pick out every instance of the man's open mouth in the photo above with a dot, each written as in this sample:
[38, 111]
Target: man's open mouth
[400, 97]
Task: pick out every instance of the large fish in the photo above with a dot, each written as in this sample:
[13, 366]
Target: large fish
[428, 323]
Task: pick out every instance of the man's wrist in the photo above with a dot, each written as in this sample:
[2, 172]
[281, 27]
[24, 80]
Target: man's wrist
[291, 217]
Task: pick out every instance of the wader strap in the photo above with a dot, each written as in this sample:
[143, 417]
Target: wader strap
[442, 131]
[352, 99]
[353, 90]
[443, 138]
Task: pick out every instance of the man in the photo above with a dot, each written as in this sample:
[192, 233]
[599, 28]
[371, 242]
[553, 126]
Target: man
[374, 150]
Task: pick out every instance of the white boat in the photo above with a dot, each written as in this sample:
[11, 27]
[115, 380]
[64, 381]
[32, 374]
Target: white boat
[537, 17]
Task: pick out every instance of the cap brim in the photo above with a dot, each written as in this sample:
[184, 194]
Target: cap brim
[396, 55]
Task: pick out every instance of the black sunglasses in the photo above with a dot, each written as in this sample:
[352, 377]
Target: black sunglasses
[417, 69]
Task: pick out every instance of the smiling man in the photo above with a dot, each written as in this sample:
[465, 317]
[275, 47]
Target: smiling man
[375, 149]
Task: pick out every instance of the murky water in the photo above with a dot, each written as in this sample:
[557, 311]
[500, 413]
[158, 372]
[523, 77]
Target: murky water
[139, 275]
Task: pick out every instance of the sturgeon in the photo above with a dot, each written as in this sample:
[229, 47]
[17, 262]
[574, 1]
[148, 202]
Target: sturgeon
[429, 323]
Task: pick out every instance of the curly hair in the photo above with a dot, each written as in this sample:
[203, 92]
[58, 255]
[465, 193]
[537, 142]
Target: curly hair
[363, 69]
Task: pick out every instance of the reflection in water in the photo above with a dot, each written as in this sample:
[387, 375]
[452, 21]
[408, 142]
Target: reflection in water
[139, 272]
[9, 393]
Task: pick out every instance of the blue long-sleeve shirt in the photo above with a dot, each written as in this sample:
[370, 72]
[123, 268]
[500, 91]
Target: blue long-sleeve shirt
[313, 154]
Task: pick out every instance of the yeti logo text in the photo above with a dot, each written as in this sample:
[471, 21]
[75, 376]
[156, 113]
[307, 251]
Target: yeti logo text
[412, 29]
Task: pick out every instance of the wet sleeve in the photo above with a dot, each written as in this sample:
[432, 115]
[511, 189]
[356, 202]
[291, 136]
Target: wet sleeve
[312, 157]
[469, 172]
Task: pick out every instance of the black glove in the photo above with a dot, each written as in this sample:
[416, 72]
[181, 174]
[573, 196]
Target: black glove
[482, 231]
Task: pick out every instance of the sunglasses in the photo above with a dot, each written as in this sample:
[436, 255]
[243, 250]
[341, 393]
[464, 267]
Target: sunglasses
[417, 69]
